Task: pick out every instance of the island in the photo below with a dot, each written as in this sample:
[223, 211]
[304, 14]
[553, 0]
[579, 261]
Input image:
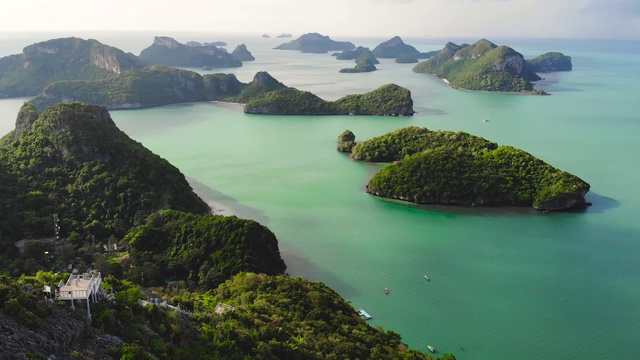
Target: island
[266, 36]
[316, 43]
[175, 281]
[551, 61]
[365, 63]
[393, 48]
[284, 36]
[456, 168]
[241, 53]
[483, 66]
[387, 100]
[161, 85]
[167, 51]
[355, 54]
[39, 64]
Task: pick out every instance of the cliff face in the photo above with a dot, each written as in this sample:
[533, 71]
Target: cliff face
[28, 73]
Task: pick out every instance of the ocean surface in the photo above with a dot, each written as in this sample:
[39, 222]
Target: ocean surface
[506, 283]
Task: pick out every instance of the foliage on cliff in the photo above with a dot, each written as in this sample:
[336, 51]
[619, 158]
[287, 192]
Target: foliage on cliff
[28, 73]
[316, 43]
[289, 101]
[389, 99]
[205, 250]
[169, 52]
[73, 160]
[482, 66]
[355, 54]
[458, 168]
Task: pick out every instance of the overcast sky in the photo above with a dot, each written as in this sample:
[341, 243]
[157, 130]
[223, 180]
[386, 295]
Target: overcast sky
[385, 18]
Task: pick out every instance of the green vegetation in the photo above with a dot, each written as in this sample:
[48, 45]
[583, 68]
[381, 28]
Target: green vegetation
[482, 66]
[389, 99]
[73, 160]
[346, 141]
[204, 250]
[131, 215]
[407, 59]
[551, 61]
[28, 73]
[458, 168]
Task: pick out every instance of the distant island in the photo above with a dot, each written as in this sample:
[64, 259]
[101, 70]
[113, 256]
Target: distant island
[355, 54]
[241, 53]
[551, 61]
[167, 51]
[484, 66]
[316, 43]
[161, 85]
[283, 35]
[213, 43]
[393, 48]
[365, 63]
[443, 167]
[266, 36]
[39, 64]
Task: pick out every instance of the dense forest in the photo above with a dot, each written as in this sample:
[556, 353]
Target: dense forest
[445, 167]
[167, 263]
[482, 66]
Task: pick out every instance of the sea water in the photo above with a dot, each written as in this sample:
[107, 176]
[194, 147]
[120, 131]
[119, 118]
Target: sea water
[504, 282]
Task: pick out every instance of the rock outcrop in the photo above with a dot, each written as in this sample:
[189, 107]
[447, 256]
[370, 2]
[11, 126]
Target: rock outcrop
[167, 51]
[241, 53]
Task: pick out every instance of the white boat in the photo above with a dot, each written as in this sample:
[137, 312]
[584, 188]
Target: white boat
[431, 348]
[426, 277]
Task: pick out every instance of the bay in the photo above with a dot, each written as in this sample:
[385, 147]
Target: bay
[505, 282]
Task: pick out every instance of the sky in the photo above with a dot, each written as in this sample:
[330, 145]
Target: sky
[591, 19]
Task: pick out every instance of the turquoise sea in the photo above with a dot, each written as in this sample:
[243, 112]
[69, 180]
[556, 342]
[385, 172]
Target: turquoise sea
[506, 283]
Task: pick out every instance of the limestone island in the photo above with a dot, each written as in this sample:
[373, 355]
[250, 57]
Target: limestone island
[551, 61]
[393, 48]
[316, 43]
[161, 85]
[241, 53]
[456, 168]
[39, 64]
[355, 54]
[167, 51]
[284, 36]
[365, 63]
[483, 66]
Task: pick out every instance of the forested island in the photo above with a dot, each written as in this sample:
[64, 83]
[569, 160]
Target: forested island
[132, 216]
[443, 167]
[160, 85]
[484, 66]
[316, 43]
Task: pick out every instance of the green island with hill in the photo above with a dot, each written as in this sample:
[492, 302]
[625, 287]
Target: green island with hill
[484, 66]
[316, 43]
[166, 261]
[444, 167]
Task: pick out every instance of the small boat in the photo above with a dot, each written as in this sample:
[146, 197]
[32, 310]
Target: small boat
[431, 348]
[426, 277]
[386, 290]
[485, 120]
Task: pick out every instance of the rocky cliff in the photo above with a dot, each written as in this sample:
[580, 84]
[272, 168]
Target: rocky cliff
[241, 53]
